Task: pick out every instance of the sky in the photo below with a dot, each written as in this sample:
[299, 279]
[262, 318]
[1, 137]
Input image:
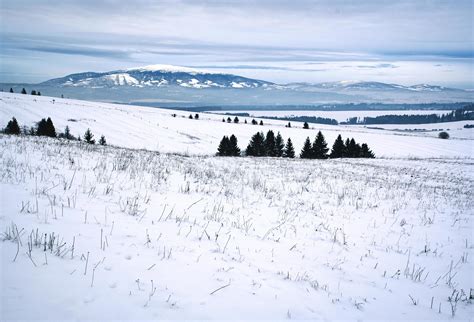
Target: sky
[406, 41]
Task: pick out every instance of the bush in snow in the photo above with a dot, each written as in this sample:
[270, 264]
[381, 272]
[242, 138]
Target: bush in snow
[443, 135]
[102, 140]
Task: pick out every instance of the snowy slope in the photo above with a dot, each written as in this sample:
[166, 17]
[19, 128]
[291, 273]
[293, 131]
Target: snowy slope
[155, 129]
[97, 233]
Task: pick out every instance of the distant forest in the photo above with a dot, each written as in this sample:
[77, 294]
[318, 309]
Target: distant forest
[464, 114]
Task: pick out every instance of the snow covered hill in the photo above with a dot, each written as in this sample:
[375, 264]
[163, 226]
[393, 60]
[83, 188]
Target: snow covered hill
[156, 76]
[156, 129]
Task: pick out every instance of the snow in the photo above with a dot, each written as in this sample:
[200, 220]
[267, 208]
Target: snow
[159, 236]
[122, 79]
[170, 69]
[155, 129]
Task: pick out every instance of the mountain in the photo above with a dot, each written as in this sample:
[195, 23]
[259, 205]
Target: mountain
[157, 76]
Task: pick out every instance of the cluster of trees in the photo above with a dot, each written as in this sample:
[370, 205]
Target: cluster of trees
[23, 91]
[228, 147]
[45, 127]
[309, 119]
[236, 120]
[269, 145]
[340, 149]
[196, 116]
[462, 114]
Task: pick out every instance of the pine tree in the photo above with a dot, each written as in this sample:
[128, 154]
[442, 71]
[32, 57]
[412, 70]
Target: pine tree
[270, 144]
[236, 119]
[261, 122]
[89, 137]
[190, 116]
[307, 151]
[42, 128]
[223, 148]
[50, 130]
[234, 149]
[11, 90]
[279, 145]
[365, 152]
[39, 93]
[320, 147]
[346, 152]
[306, 125]
[229, 120]
[23, 91]
[33, 92]
[223, 120]
[256, 146]
[289, 150]
[67, 133]
[288, 125]
[102, 140]
[12, 127]
[245, 121]
[196, 116]
[254, 122]
[338, 148]
[352, 149]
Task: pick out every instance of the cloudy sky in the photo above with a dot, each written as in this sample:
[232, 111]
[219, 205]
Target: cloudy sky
[404, 41]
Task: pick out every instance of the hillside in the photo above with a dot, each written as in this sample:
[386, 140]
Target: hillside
[156, 129]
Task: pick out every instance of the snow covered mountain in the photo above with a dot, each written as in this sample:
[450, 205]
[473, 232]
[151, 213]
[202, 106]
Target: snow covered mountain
[157, 76]
[351, 85]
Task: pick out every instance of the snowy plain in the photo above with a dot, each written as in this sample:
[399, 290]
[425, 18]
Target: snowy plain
[119, 232]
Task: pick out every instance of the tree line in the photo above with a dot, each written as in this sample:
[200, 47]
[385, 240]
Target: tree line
[463, 114]
[271, 145]
[45, 127]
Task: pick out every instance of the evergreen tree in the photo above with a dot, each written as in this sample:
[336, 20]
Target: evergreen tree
[23, 91]
[234, 149]
[270, 149]
[12, 127]
[223, 148]
[223, 120]
[289, 150]
[261, 122]
[11, 90]
[190, 116]
[279, 145]
[39, 93]
[229, 120]
[102, 140]
[346, 153]
[245, 121]
[256, 147]
[254, 122]
[236, 119]
[89, 137]
[307, 151]
[306, 125]
[33, 92]
[50, 130]
[365, 152]
[196, 116]
[288, 125]
[338, 148]
[67, 133]
[320, 147]
[42, 128]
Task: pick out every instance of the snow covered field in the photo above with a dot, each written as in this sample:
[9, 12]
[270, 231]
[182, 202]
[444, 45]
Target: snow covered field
[155, 129]
[133, 234]
[339, 116]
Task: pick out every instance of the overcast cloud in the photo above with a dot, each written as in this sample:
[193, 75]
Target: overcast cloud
[407, 42]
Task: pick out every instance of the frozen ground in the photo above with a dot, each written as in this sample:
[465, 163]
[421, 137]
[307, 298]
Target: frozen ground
[155, 129]
[92, 232]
